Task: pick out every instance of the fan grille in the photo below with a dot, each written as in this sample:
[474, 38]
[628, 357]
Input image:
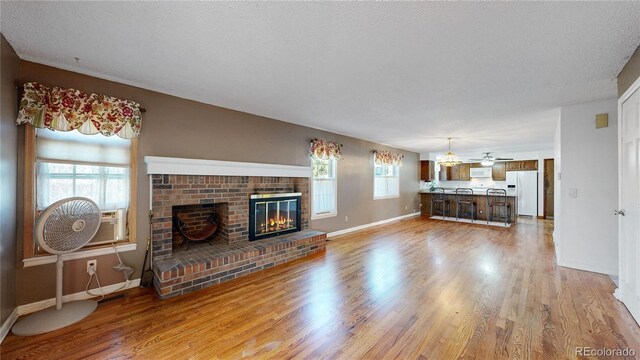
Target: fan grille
[69, 225]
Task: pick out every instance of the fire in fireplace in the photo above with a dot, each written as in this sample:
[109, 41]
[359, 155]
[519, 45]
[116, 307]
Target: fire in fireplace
[274, 214]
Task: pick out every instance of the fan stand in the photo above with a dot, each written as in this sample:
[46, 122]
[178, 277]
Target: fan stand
[57, 317]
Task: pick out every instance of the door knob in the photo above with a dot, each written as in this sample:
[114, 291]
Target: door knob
[618, 212]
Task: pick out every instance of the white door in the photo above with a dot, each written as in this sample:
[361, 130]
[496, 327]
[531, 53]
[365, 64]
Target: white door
[629, 203]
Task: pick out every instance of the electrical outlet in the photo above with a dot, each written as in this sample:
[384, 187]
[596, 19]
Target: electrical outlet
[346, 219]
[92, 264]
[406, 207]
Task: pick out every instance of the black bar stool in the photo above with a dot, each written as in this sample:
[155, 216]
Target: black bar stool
[464, 197]
[497, 199]
[438, 197]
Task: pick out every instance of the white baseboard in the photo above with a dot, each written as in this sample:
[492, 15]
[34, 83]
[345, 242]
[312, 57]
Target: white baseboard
[618, 294]
[8, 324]
[82, 295]
[360, 227]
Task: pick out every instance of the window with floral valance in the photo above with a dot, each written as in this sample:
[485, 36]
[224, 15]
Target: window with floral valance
[386, 174]
[324, 181]
[71, 145]
[62, 109]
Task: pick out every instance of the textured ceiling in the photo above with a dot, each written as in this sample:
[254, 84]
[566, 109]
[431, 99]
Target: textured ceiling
[490, 74]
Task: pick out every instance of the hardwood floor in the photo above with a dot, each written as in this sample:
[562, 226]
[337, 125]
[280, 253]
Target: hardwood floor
[417, 289]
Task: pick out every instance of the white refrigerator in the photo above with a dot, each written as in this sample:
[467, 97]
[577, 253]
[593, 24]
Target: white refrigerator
[524, 185]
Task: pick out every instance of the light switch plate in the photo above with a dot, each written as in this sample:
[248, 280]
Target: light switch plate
[573, 193]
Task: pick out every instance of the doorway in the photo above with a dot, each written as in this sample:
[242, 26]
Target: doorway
[548, 179]
[629, 199]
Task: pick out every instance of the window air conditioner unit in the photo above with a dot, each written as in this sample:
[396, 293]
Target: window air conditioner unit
[112, 227]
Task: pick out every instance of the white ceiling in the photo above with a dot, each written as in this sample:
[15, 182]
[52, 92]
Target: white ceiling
[406, 74]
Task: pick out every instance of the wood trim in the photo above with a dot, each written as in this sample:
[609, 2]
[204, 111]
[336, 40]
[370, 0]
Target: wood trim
[133, 192]
[28, 197]
[545, 198]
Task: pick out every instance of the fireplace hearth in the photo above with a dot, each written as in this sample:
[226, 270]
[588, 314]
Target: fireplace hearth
[274, 214]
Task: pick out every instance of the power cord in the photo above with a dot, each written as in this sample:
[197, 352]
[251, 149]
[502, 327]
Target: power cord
[93, 273]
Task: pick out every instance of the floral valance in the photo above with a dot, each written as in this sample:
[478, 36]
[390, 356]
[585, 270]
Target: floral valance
[323, 149]
[387, 158]
[70, 109]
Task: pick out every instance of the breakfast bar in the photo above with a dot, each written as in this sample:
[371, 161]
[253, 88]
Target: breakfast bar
[480, 199]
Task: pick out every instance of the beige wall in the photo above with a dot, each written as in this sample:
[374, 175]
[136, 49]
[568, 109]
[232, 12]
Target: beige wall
[630, 72]
[8, 178]
[182, 128]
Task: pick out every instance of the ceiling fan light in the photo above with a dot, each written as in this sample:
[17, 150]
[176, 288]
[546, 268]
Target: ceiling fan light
[487, 162]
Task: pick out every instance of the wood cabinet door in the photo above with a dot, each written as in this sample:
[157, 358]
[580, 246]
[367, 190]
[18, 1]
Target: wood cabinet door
[512, 165]
[499, 171]
[530, 165]
[526, 165]
[424, 170]
[464, 172]
[454, 172]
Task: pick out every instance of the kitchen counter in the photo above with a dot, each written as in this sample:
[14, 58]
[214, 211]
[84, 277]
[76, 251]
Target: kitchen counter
[476, 192]
[480, 198]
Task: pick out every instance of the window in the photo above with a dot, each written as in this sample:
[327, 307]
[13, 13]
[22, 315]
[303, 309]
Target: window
[324, 188]
[108, 186]
[386, 181]
[98, 167]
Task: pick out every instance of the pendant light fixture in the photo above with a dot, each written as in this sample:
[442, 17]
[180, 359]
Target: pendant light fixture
[450, 159]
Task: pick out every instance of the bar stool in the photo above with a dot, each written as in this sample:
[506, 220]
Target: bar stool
[464, 197]
[438, 197]
[497, 199]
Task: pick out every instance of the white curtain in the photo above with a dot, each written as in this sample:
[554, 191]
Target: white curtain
[324, 196]
[386, 186]
[106, 185]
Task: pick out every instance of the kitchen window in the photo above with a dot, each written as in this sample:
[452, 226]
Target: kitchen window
[324, 188]
[386, 181]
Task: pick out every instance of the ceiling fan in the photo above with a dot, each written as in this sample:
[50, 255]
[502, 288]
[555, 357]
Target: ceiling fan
[488, 160]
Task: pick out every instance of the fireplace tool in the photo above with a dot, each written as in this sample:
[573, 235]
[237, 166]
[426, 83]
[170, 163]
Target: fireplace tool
[146, 277]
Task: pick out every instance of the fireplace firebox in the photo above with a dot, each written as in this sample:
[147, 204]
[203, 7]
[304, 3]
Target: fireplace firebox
[274, 214]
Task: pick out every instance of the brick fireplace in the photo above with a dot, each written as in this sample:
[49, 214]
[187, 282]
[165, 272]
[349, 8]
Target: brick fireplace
[233, 192]
[178, 270]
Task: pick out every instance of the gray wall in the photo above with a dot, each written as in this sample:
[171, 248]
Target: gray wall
[8, 181]
[182, 128]
[630, 72]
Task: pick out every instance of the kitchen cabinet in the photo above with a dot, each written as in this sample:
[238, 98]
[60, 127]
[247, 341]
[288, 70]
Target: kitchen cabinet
[427, 170]
[464, 172]
[523, 165]
[454, 173]
[458, 172]
[499, 171]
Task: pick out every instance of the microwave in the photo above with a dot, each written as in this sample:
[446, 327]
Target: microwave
[112, 227]
[480, 172]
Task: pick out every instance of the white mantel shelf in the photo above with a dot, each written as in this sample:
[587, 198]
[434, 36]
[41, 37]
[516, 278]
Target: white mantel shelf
[181, 166]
